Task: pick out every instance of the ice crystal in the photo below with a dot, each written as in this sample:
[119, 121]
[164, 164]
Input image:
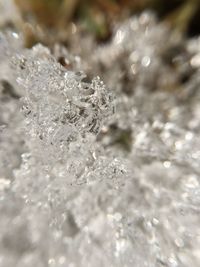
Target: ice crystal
[97, 175]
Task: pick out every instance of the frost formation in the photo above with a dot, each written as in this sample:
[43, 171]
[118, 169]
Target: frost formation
[95, 175]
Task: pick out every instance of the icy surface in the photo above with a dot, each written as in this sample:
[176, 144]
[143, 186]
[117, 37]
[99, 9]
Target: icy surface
[101, 175]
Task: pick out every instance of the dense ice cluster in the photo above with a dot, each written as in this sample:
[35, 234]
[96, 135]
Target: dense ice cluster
[101, 175]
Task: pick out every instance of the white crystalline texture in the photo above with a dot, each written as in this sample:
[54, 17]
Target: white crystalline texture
[58, 106]
[101, 176]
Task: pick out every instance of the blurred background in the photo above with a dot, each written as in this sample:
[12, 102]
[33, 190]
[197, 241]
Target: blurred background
[51, 21]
